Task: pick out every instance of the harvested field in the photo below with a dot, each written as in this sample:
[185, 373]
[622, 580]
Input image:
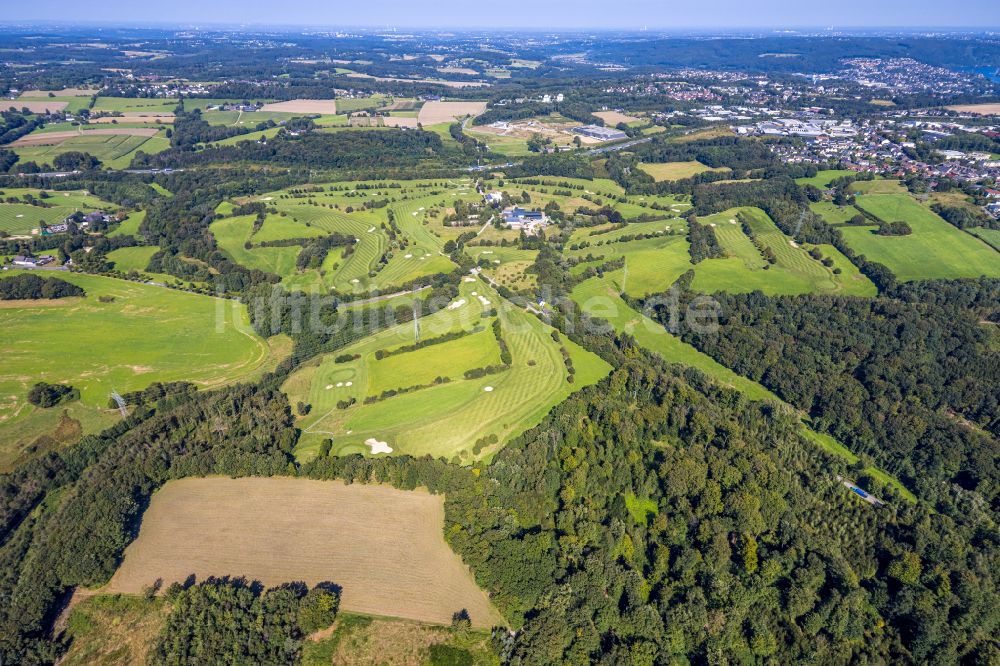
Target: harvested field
[384, 546]
[612, 118]
[432, 113]
[320, 106]
[978, 109]
[66, 92]
[397, 121]
[457, 70]
[35, 107]
[52, 138]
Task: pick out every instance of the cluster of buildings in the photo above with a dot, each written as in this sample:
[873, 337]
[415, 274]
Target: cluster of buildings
[600, 133]
[33, 262]
[516, 217]
[815, 128]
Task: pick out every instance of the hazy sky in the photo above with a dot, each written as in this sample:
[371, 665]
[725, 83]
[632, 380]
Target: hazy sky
[541, 14]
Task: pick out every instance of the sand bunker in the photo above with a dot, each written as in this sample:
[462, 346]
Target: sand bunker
[488, 389]
[377, 446]
[457, 304]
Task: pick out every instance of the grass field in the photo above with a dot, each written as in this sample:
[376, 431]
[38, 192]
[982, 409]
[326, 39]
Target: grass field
[232, 233]
[991, 236]
[130, 225]
[444, 419]
[877, 186]
[132, 258]
[744, 269]
[113, 629]
[600, 298]
[21, 218]
[822, 179]
[135, 104]
[385, 547]
[145, 334]
[360, 640]
[934, 250]
[675, 170]
[832, 213]
[653, 264]
[113, 150]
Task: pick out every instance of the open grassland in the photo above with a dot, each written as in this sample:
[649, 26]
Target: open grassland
[303, 106]
[385, 547]
[935, 249]
[745, 269]
[832, 213]
[991, 236]
[877, 186]
[823, 178]
[130, 225]
[446, 418]
[132, 258]
[142, 335]
[653, 264]
[20, 218]
[109, 629]
[361, 640]
[614, 118]
[232, 234]
[135, 105]
[675, 170]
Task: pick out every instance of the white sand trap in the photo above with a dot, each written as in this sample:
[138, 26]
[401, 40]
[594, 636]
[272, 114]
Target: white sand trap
[355, 281]
[349, 384]
[268, 199]
[428, 254]
[483, 300]
[712, 224]
[329, 386]
[339, 384]
[732, 221]
[377, 446]
[793, 243]
[487, 252]
[19, 216]
[468, 279]
[488, 389]
[457, 304]
[407, 256]
[475, 293]
[421, 208]
[371, 230]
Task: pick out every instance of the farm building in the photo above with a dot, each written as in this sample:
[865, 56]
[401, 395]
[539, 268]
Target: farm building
[600, 133]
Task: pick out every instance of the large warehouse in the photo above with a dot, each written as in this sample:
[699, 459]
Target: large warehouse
[600, 133]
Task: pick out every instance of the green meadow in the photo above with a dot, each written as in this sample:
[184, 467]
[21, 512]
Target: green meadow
[991, 236]
[745, 268]
[121, 336]
[446, 418]
[935, 249]
[822, 179]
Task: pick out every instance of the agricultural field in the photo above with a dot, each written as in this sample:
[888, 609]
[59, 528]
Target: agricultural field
[446, 418]
[303, 107]
[935, 249]
[432, 113]
[114, 147]
[19, 219]
[384, 547]
[130, 225]
[745, 269]
[138, 335]
[614, 118]
[135, 105]
[675, 170]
